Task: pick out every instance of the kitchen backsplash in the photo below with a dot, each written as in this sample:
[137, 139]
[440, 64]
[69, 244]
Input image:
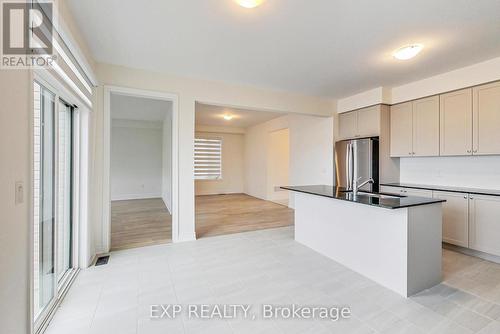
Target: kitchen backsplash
[476, 172]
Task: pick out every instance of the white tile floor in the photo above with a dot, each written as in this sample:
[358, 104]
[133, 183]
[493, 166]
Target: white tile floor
[270, 267]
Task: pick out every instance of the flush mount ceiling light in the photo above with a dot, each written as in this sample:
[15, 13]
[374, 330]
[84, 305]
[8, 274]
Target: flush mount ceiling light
[408, 51]
[249, 3]
[228, 117]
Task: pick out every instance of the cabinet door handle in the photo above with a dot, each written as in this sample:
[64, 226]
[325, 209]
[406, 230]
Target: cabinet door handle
[465, 197]
[468, 151]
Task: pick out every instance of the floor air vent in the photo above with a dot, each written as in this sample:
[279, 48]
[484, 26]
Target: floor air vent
[102, 260]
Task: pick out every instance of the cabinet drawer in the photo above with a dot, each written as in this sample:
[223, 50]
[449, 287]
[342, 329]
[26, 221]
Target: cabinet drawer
[391, 190]
[417, 192]
[406, 191]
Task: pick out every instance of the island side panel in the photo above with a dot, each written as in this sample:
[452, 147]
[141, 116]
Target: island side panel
[424, 247]
[369, 240]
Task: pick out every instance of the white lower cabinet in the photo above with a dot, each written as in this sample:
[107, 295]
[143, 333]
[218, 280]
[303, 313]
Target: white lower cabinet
[470, 221]
[455, 217]
[484, 224]
[418, 192]
[391, 190]
[406, 191]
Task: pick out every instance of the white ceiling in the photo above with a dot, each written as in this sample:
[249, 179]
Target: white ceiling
[213, 115]
[138, 108]
[331, 48]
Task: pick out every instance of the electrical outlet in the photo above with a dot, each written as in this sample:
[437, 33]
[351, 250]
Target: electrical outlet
[19, 192]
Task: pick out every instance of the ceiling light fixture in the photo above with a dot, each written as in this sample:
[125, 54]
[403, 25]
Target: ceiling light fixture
[249, 3]
[228, 117]
[408, 51]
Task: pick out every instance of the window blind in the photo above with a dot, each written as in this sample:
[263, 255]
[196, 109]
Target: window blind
[207, 159]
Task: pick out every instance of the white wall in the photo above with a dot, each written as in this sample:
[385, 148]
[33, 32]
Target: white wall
[15, 119]
[278, 165]
[256, 155]
[475, 172]
[464, 77]
[136, 159]
[311, 152]
[232, 165]
[166, 187]
[472, 75]
[371, 97]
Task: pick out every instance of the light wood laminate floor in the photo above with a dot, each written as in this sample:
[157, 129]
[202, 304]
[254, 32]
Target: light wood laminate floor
[234, 213]
[140, 222]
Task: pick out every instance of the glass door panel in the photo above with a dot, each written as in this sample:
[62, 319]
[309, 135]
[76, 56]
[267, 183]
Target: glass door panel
[64, 193]
[43, 199]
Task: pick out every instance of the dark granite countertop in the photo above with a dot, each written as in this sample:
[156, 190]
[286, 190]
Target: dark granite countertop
[388, 201]
[475, 191]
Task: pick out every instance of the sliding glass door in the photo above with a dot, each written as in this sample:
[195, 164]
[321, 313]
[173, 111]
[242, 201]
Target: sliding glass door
[53, 232]
[64, 219]
[43, 199]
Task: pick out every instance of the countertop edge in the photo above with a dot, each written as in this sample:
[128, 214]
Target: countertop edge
[433, 201]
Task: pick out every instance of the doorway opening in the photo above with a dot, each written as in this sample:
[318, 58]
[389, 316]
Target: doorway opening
[241, 160]
[140, 171]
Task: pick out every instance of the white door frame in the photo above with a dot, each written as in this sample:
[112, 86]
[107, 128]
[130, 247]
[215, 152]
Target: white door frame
[106, 214]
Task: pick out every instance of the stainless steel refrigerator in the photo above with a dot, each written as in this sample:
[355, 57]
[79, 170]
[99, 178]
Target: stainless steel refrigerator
[357, 158]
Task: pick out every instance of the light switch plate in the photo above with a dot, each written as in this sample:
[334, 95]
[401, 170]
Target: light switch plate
[19, 192]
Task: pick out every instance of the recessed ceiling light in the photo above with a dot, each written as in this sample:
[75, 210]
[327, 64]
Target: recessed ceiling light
[249, 3]
[408, 51]
[228, 117]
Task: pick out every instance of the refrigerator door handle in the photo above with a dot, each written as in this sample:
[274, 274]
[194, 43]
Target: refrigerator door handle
[347, 166]
[350, 166]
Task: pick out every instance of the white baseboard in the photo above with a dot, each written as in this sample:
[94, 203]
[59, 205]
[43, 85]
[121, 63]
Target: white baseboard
[134, 196]
[208, 193]
[167, 204]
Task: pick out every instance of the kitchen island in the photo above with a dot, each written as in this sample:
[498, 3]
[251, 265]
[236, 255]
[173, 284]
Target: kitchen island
[393, 240]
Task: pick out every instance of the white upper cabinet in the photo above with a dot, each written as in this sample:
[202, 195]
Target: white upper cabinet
[402, 130]
[360, 123]
[456, 123]
[484, 224]
[348, 125]
[426, 127]
[415, 128]
[369, 122]
[455, 217]
[486, 119]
